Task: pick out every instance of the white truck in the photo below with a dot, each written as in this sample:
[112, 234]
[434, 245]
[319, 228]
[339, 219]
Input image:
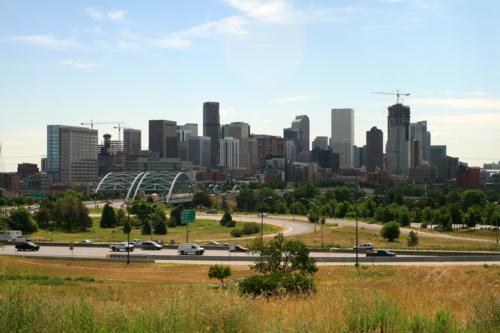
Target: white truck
[124, 246]
[188, 248]
[11, 235]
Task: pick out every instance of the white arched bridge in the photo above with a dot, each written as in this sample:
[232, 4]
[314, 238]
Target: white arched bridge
[175, 187]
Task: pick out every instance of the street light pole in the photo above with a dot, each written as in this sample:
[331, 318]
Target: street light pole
[128, 235]
[357, 231]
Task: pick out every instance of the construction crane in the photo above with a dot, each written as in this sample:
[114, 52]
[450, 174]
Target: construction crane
[119, 127]
[397, 94]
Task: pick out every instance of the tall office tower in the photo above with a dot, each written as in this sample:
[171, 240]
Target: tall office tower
[415, 153]
[199, 150]
[184, 132]
[418, 131]
[398, 139]
[78, 155]
[437, 152]
[270, 146]
[374, 150]
[237, 130]
[248, 153]
[320, 142]
[230, 153]
[290, 151]
[131, 141]
[298, 132]
[110, 155]
[342, 138]
[211, 128]
[163, 138]
[358, 157]
[53, 151]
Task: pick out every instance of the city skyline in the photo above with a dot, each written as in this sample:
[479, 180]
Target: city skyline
[88, 62]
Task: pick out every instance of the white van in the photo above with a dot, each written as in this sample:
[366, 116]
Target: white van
[188, 248]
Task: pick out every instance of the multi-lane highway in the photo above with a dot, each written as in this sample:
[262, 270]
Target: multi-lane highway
[224, 256]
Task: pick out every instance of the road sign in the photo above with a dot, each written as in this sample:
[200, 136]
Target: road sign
[188, 216]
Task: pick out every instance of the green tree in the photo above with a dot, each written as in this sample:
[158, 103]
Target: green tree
[412, 238]
[71, 214]
[341, 209]
[146, 227]
[42, 217]
[298, 208]
[127, 226]
[108, 217]
[473, 198]
[390, 231]
[457, 217]
[342, 194]
[175, 216]
[285, 256]
[473, 216]
[245, 201]
[404, 216]
[21, 219]
[120, 217]
[160, 227]
[202, 198]
[141, 209]
[417, 215]
[227, 220]
[219, 272]
[281, 207]
[443, 219]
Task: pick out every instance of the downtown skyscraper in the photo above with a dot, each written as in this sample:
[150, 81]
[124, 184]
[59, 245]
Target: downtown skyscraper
[211, 129]
[342, 139]
[398, 140]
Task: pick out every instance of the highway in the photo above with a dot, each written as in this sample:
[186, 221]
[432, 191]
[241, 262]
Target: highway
[224, 256]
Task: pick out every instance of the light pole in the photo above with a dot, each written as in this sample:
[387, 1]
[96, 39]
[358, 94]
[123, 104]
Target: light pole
[313, 203]
[357, 231]
[496, 218]
[262, 219]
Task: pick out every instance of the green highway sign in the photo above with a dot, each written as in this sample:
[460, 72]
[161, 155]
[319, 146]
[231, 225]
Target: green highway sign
[188, 216]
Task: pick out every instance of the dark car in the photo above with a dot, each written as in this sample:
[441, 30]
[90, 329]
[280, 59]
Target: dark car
[27, 246]
[380, 253]
[150, 245]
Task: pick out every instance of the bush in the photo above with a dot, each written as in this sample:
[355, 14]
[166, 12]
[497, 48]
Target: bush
[236, 233]
[412, 238]
[21, 219]
[160, 228]
[108, 217]
[146, 228]
[390, 231]
[277, 284]
[219, 272]
[227, 220]
[250, 228]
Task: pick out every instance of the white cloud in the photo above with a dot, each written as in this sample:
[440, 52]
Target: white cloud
[182, 39]
[77, 64]
[291, 99]
[458, 103]
[477, 93]
[114, 15]
[265, 10]
[45, 41]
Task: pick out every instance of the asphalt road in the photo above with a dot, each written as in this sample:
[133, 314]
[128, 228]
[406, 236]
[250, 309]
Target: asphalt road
[223, 256]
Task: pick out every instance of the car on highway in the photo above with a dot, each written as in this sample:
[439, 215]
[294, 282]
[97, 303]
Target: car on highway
[189, 248]
[215, 244]
[86, 241]
[237, 248]
[136, 242]
[27, 246]
[124, 246]
[380, 253]
[150, 245]
[364, 246]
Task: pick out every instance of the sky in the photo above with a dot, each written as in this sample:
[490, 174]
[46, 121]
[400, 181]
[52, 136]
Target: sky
[69, 62]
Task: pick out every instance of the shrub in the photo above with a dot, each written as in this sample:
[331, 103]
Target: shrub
[160, 228]
[219, 272]
[251, 228]
[390, 231]
[412, 238]
[108, 217]
[21, 219]
[236, 233]
[276, 284]
[227, 220]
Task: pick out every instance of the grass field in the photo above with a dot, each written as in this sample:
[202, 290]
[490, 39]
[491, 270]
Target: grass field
[346, 237]
[60, 296]
[200, 230]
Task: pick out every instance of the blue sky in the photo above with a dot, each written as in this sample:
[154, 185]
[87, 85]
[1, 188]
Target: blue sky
[66, 62]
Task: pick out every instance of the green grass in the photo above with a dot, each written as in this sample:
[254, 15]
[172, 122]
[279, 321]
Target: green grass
[345, 237]
[181, 298]
[200, 230]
